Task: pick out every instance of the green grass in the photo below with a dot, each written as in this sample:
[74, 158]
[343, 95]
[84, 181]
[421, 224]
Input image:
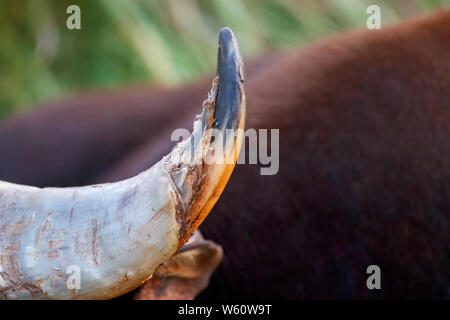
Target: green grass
[160, 42]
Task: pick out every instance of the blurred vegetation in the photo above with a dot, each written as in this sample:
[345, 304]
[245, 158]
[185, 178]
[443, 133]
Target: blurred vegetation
[161, 42]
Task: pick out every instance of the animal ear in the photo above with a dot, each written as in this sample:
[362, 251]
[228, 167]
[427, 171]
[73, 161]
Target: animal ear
[186, 273]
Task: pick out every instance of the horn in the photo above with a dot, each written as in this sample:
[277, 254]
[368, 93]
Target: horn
[102, 241]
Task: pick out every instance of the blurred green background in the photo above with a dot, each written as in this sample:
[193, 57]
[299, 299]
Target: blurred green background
[161, 42]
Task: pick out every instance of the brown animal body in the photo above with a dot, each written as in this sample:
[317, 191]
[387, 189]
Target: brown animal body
[364, 174]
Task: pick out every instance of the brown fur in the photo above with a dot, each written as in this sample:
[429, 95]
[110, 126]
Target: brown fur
[364, 176]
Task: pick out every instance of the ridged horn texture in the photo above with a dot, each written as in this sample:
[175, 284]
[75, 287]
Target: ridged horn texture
[117, 234]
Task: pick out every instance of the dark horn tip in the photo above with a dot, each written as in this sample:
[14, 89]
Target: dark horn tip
[230, 72]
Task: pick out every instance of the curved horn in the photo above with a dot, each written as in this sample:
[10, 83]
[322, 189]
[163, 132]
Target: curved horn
[113, 236]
